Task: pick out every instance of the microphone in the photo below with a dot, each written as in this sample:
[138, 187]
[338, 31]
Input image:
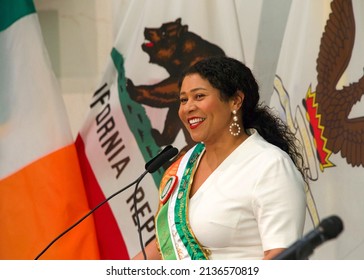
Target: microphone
[153, 165]
[163, 151]
[328, 229]
[166, 154]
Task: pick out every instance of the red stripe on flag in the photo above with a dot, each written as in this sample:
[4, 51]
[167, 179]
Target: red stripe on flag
[110, 239]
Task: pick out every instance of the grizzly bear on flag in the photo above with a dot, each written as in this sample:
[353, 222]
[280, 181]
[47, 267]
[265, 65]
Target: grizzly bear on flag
[174, 48]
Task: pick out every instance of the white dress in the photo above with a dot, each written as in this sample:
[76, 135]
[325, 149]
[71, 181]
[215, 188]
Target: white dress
[253, 202]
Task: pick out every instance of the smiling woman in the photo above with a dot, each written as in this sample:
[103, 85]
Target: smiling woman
[240, 191]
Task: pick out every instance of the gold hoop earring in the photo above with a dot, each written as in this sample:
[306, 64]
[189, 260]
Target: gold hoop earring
[235, 128]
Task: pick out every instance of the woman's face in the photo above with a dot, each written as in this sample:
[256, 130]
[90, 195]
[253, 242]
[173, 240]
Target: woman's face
[202, 111]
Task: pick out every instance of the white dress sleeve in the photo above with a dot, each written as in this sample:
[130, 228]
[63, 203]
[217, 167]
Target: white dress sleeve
[279, 203]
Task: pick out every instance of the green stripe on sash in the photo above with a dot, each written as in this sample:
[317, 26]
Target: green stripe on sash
[163, 235]
[12, 10]
[181, 209]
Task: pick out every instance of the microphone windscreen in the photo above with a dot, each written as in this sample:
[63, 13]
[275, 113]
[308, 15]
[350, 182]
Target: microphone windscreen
[331, 227]
[160, 153]
[162, 159]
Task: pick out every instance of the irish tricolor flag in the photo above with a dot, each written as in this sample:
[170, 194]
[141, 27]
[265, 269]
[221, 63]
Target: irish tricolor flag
[41, 190]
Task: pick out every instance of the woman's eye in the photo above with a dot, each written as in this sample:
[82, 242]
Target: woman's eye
[199, 96]
[183, 100]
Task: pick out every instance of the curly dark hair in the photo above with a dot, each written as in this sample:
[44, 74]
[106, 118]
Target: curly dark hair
[229, 75]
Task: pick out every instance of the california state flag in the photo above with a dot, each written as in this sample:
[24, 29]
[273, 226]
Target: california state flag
[41, 189]
[133, 111]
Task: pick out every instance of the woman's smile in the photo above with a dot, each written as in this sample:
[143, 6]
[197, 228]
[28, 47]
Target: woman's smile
[195, 121]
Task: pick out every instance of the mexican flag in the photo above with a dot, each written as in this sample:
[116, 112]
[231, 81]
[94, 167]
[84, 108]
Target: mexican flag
[318, 89]
[41, 187]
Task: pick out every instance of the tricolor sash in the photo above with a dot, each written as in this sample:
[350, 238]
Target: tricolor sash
[175, 238]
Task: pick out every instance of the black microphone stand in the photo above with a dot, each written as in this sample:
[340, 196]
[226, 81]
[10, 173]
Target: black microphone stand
[137, 218]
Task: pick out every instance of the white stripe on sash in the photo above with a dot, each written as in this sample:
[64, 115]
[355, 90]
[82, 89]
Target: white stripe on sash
[179, 248]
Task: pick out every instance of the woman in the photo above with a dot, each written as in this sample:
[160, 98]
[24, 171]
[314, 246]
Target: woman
[239, 193]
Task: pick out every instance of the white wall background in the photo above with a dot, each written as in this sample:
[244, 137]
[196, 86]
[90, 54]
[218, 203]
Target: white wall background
[79, 37]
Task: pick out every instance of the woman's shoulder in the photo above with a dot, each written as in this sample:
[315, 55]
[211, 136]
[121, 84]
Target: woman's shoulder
[257, 145]
[259, 154]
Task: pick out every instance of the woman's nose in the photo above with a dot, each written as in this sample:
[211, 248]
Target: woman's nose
[190, 106]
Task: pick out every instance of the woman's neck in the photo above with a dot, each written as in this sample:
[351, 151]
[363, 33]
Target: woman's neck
[216, 153]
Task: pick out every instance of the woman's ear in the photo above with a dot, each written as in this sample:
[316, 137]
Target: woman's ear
[238, 100]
